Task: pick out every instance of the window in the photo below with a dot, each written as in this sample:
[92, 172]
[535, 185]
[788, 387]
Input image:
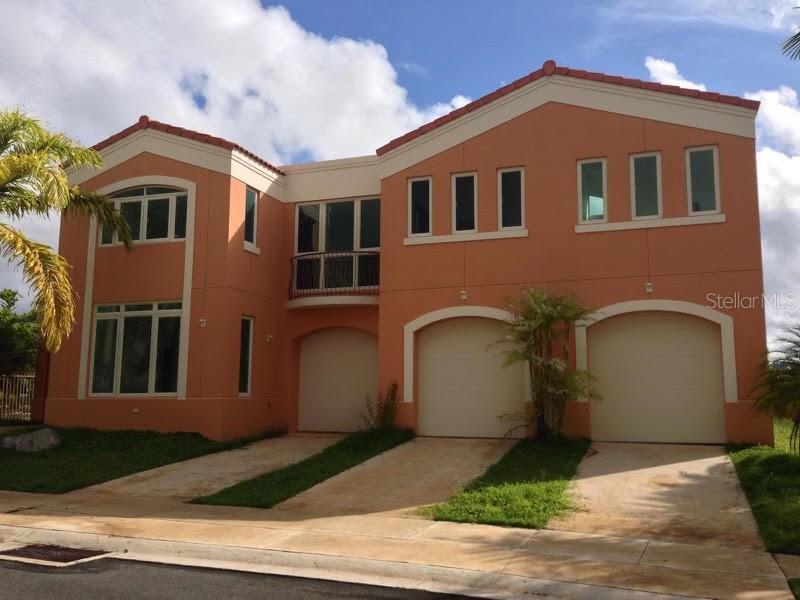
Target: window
[136, 348]
[419, 206]
[152, 213]
[646, 185]
[250, 209]
[245, 355]
[702, 180]
[511, 201]
[592, 189]
[465, 199]
[336, 244]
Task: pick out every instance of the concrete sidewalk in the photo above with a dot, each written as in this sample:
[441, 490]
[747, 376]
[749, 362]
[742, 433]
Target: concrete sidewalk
[414, 551]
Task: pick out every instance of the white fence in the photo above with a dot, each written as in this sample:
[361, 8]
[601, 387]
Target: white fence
[16, 396]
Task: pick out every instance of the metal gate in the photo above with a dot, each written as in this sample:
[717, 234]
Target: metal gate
[16, 397]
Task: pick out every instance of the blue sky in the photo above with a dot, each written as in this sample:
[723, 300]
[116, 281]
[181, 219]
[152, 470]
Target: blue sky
[469, 47]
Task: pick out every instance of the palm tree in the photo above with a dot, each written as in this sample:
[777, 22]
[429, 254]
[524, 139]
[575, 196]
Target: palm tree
[791, 47]
[33, 181]
[538, 335]
[778, 386]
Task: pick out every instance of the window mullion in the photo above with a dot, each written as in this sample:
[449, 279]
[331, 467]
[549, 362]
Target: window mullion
[151, 375]
[118, 357]
[171, 218]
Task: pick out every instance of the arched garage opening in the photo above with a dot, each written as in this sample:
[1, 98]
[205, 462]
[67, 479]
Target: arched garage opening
[338, 370]
[664, 370]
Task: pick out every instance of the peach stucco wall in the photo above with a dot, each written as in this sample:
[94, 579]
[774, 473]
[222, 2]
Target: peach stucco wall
[600, 268]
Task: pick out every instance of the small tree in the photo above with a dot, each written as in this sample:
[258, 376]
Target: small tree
[538, 335]
[777, 388]
[19, 336]
[380, 415]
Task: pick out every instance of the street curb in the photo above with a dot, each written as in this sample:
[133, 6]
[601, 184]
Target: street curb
[447, 580]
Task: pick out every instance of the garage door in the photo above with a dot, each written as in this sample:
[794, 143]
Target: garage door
[338, 370]
[660, 377]
[463, 385]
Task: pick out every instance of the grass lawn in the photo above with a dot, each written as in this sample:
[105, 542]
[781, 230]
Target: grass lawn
[526, 488]
[265, 491]
[795, 585]
[86, 457]
[771, 479]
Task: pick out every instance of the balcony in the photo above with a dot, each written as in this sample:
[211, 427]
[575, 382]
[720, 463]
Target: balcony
[334, 279]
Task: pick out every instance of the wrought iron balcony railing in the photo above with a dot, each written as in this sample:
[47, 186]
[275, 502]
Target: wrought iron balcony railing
[335, 273]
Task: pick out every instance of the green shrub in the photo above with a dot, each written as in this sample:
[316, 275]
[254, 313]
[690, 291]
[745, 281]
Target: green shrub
[380, 414]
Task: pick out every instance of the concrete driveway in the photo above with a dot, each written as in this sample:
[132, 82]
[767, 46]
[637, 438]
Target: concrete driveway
[676, 493]
[422, 471]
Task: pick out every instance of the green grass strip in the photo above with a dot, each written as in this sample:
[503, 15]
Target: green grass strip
[528, 487]
[87, 457]
[771, 479]
[269, 489]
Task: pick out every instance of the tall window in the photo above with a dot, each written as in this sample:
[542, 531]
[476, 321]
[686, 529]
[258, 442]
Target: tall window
[703, 179]
[646, 185]
[592, 189]
[245, 355]
[337, 243]
[153, 213]
[465, 200]
[250, 209]
[419, 206]
[510, 194]
[136, 348]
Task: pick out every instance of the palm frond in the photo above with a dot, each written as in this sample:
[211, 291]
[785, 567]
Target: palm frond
[100, 207]
[791, 47]
[47, 273]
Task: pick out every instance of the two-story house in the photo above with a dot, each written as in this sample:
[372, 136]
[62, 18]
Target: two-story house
[258, 296]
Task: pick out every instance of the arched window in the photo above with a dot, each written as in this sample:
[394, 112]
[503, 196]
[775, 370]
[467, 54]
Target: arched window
[153, 213]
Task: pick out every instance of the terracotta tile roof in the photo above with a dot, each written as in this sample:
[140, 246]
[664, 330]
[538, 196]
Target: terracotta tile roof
[550, 68]
[145, 122]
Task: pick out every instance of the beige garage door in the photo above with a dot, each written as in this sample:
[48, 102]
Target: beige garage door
[463, 385]
[338, 370]
[660, 376]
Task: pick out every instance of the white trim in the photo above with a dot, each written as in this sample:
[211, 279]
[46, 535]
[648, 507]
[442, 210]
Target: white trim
[88, 317]
[503, 234]
[724, 321]
[188, 261]
[248, 247]
[410, 329]
[595, 95]
[251, 332]
[411, 180]
[453, 177]
[580, 163]
[632, 170]
[316, 301]
[500, 172]
[715, 153]
[702, 219]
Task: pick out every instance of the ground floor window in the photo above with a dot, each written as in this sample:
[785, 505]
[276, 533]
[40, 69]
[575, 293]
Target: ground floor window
[135, 348]
[245, 355]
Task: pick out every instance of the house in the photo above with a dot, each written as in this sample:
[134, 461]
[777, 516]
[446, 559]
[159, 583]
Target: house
[259, 296]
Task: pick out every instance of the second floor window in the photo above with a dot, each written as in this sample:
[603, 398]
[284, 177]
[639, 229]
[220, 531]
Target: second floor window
[646, 185]
[153, 213]
[419, 206]
[465, 199]
[511, 200]
[702, 179]
[592, 189]
[250, 208]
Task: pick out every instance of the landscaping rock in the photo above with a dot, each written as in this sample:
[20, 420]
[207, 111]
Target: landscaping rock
[35, 441]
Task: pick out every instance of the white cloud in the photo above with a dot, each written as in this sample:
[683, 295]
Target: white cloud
[91, 68]
[663, 71]
[754, 15]
[779, 118]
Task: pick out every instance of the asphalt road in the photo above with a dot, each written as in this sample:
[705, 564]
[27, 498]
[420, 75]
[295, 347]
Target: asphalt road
[121, 579]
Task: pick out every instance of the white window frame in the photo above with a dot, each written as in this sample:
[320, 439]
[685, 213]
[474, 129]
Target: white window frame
[252, 320]
[144, 200]
[154, 313]
[453, 177]
[251, 246]
[688, 163]
[603, 160]
[500, 172]
[631, 164]
[411, 180]
[322, 238]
